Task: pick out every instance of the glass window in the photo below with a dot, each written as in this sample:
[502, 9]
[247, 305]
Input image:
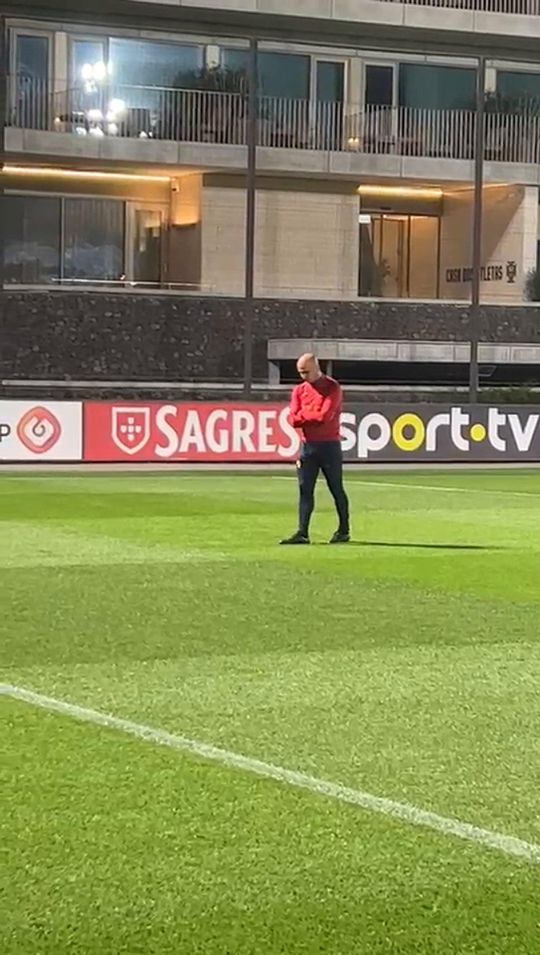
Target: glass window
[379, 85]
[94, 239]
[32, 240]
[330, 81]
[32, 81]
[519, 86]
[88, 59]
[88, 75]
[32, 56]
[141, 69]
[92, 233]
[436, 87]
[284, 75]
[147, 63]
[235, 59]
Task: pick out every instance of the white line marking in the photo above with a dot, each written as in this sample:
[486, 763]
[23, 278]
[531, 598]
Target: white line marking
[423, 487]
[446, 488]
[405, 812]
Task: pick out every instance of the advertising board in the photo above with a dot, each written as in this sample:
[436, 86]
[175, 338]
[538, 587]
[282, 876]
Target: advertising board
[32, 431]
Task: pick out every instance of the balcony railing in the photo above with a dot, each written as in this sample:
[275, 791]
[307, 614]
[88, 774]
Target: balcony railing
[191, 116]
[530, 8]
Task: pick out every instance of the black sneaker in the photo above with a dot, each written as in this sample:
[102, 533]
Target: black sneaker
[341, 537]
[297, 538]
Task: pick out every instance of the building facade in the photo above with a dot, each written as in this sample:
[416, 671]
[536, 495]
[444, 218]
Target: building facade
[125, 148]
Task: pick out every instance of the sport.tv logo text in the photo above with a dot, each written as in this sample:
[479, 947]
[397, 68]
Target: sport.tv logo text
[413, 431]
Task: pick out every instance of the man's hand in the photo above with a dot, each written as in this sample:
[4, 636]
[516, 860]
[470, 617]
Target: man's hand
[297, 420]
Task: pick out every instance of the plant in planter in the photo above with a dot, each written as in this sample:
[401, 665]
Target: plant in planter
[512, 126]
[532, 286]
[217, 117]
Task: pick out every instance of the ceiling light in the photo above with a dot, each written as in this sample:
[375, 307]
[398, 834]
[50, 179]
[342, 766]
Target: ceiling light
[402, 191]
[79, 174]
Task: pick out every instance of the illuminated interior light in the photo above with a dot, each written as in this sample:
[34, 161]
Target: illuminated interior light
[79, 174]
[100, 71]
[410, 192]
[117, 106]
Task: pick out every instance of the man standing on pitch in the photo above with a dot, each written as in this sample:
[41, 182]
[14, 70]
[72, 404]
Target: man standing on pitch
[315, 411]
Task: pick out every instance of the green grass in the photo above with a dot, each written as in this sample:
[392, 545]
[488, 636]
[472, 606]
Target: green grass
[406, 665]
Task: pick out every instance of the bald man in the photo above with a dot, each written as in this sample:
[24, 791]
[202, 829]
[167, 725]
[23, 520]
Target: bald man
[315, 411]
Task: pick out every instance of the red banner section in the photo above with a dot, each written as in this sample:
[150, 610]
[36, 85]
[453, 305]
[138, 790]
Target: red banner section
[156, 432]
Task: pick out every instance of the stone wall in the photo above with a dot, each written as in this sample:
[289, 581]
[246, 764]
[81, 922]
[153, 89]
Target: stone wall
[89, 336]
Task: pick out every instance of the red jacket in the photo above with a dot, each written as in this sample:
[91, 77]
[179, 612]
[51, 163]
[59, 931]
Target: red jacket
[316, 409]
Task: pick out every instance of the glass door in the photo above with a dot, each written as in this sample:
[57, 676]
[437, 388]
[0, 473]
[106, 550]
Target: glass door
[380, 88]
[94, 240]
[329, 98]
[399, 256]
[383, 256]
[393, 256]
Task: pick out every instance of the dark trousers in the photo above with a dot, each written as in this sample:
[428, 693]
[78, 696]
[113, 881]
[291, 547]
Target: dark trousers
[325, 456]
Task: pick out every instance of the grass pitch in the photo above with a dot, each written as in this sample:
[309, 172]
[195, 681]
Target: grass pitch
[406, 666]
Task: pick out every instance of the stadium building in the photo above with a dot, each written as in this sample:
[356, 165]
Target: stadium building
[125, 148]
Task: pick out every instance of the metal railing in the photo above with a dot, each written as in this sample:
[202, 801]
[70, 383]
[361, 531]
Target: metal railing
[527, 8]
[141, 112]
[198, 116]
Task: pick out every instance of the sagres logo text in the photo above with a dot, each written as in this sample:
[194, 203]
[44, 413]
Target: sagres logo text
[430, 432]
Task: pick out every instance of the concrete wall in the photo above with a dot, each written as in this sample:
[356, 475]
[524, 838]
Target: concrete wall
[509, 235]
[39, 146]
[223, 240]
[306, 241]
[307, 245]
[368, 14]
[185, 232]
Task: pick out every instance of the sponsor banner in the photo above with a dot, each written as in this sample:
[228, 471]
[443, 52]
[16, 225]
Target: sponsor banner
[188, 432]
[233, 433]
[41, 431]
[433, 432]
